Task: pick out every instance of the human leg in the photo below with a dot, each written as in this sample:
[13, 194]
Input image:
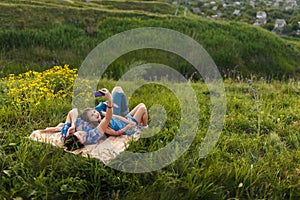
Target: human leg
[63, 127]
[119, 101]
[57, 128]
[140, 113]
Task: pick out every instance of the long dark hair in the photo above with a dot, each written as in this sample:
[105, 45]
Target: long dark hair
[72, 143]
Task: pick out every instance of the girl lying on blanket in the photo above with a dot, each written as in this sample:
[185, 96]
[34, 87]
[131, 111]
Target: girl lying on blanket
[119, 103]
[92, 125]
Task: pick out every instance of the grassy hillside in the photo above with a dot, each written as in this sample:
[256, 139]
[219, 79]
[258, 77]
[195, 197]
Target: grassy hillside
[39, 34]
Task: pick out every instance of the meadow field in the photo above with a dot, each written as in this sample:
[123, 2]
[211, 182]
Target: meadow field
[256, 157]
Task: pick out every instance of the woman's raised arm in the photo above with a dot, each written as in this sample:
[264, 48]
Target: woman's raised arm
[105, 122]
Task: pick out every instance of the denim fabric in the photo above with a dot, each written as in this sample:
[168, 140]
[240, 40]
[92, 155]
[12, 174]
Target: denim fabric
[119, 99]
[101, 107]
[65, 128]
[117, 124]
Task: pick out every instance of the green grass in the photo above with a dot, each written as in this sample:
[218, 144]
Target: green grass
[256, 157]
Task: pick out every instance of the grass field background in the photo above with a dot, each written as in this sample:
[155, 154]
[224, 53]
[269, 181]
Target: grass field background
[257, 155]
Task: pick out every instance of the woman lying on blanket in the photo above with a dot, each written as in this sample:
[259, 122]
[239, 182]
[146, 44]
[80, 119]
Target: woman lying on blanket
[119, 104]
[92, 126]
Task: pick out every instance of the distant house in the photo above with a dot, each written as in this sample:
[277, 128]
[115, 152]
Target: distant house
[196, 10]
[279, 24]
[217, 15]
[261, 18]
[261, 15]
[215, 8]
[260, 22]
[236, 12]
[237, 3]
[290, 4]
[252, 3]
[276, 4]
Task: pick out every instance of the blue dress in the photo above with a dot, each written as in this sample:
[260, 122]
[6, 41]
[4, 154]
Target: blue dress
[117, 124]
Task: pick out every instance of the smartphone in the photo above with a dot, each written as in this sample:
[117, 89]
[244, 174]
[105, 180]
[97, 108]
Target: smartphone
[98, 94]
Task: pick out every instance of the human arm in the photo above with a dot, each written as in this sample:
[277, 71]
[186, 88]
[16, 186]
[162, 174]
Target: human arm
[73, 115]
[69, 127]
[105, 121]
[124, 119]
[112, 132]
[52, 129]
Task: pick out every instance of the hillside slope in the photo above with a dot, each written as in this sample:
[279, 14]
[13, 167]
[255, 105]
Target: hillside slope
[39, 34]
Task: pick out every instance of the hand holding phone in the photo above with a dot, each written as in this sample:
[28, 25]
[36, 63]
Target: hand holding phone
[99, 94]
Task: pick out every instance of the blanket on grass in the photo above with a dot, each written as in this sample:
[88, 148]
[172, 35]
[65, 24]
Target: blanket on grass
[105, 150]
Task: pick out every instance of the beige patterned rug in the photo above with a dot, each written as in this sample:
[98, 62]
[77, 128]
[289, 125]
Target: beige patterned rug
[104, 150]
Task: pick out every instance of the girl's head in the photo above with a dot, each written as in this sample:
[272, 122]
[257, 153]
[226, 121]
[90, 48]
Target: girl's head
[92, 116]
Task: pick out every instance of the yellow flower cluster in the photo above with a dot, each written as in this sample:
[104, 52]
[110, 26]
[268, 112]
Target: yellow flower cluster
[30, 88]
